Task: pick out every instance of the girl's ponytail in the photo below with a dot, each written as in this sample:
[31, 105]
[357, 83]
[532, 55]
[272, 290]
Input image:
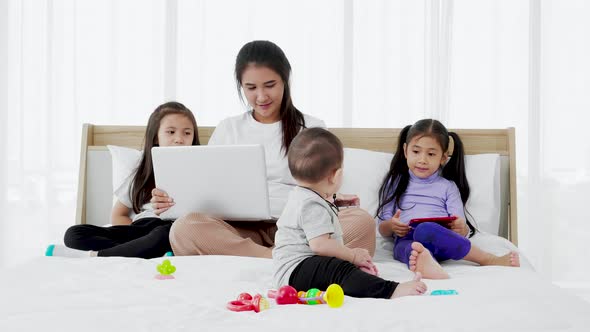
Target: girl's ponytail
[454, 171]
[397, 177]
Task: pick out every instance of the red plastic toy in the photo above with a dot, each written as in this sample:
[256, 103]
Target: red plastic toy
[245, 302]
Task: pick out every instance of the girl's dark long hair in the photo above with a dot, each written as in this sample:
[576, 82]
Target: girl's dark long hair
[267, 54]
[397, 178]
[143, 181]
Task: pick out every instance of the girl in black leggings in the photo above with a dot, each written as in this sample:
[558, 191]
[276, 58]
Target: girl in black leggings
[137, 229]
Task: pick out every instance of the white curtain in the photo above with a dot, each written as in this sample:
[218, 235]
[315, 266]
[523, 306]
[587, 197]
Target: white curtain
[359, 63]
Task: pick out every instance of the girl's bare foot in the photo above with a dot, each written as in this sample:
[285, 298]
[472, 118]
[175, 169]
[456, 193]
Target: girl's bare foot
[422, 261]
[414, 287]
[510, 259]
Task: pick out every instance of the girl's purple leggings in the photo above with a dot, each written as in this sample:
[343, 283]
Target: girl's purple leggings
[442, 243]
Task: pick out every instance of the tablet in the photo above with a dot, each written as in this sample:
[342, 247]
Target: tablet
[440, 220]
[224, 181]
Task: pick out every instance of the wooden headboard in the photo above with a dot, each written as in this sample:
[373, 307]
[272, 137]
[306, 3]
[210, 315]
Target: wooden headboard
[476, 141]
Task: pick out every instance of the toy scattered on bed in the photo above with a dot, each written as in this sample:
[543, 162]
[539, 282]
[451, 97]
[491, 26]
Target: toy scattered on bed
[444, 292]
[333, 296]
[165, 269]
[247, 302]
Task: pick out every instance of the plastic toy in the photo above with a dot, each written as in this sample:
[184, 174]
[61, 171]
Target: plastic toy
[285, 295]
[245, 302]
[444, 292]
[333, 296]
[166, 269]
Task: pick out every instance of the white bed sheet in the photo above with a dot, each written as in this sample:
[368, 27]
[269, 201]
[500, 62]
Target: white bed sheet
[121, 294]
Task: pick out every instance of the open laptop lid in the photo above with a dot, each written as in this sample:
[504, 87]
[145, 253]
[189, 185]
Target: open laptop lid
[225, 181]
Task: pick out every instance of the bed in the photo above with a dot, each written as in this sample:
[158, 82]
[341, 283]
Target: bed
[121, 294]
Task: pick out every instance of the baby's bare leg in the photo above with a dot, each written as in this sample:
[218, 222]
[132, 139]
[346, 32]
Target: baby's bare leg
[481, 257]
[422, 261]
[414, 287]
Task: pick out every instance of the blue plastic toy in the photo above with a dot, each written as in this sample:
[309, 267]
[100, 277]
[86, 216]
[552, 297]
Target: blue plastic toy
[444, 292]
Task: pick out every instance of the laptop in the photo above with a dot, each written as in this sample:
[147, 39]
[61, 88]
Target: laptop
[225, 181]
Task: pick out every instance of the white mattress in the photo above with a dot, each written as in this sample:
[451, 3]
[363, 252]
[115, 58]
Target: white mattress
[121, 294]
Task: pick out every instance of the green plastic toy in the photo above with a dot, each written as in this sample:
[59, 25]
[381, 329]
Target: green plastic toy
[165, 269]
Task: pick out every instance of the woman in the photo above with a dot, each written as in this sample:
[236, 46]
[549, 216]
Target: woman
[262, 73]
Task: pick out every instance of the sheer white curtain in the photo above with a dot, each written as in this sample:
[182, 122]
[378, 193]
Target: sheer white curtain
[562, 186]
[210, 36]
[66, 63]
[370, 63]
[525, 64]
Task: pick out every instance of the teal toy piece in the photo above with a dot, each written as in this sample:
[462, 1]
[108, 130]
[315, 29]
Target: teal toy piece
[444, 292]
[49, 250]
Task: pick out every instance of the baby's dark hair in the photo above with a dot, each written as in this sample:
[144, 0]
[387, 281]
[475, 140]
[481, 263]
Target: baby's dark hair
[397, 178]
[314, 153]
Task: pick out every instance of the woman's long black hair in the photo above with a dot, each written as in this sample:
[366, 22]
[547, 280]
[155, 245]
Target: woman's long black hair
[268, 54]
[398, 177]
[143, 181]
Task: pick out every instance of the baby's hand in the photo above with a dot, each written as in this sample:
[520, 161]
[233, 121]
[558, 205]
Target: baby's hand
[362, 258]
[372, 270]
[160, 201]
[459, 226]
[399, 228]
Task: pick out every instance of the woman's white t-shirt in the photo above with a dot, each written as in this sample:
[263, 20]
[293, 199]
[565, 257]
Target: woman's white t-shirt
[244, 129]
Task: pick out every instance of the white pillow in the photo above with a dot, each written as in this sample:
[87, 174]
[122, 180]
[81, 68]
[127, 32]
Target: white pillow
[365, 170]
[483, 174]
[124, 163]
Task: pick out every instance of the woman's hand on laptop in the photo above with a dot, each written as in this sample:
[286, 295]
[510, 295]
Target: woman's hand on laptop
[160, 201]
[345, 200]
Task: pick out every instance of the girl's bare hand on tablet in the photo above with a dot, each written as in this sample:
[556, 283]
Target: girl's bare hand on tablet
[160, 201]
[399, 228]
[459, 226]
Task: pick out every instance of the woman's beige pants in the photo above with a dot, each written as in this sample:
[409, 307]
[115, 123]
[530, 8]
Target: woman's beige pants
[199, 234]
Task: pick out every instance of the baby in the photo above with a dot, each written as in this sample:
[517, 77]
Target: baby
[309, 250]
